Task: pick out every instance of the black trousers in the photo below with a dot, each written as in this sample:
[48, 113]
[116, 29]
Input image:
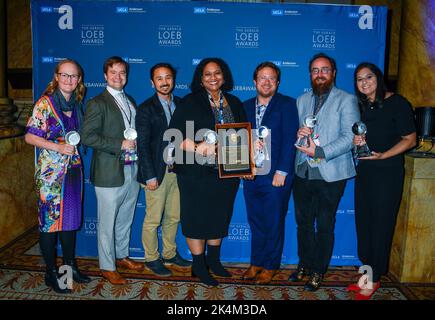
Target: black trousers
[378, 191]
[316, 203]
[48, 245]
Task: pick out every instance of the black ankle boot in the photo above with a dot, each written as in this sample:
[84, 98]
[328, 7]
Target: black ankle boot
[199, 269]
[52, 281]
[77, 275]
[214, 262]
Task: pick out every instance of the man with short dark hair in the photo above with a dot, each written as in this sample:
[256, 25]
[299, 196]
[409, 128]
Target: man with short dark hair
[322, 167]
[108, 128]
[267, 196]
[155, 175]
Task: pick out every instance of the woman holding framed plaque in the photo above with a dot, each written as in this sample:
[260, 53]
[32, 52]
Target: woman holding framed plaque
[206, 201]
[53, 129]
[389, 132]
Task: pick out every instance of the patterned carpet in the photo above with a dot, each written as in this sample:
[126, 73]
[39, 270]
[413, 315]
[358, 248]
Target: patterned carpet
[22, 278]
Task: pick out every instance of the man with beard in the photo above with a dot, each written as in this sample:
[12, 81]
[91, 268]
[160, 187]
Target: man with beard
[322, 167]
[155, 174]
[267, 196]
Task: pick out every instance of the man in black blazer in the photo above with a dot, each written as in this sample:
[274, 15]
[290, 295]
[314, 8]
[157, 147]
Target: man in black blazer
[155, 175]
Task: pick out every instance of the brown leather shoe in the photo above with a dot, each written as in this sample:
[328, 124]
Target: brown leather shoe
[265, 276]
[130, 264]
[113, 277]
[252, 272]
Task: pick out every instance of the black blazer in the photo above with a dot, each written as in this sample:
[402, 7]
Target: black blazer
[151, 124]
[196, 107]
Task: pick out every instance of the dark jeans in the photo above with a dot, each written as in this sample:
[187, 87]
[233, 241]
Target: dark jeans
[316, 203]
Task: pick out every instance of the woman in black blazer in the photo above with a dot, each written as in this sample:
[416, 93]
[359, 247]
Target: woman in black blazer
[206, 201]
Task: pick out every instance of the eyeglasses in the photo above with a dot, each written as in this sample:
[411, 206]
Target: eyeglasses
[324, 70]
[369, 77]
[66, 76]
[264, 79]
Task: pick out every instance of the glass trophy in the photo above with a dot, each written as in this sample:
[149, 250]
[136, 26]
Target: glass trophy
[261, 154]
[130, 155]
[310, 121]
[360, 129]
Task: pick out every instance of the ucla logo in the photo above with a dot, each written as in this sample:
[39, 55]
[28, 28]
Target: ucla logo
[366, 20]
[66, 21]
[199, 10]
[46, 9]
[350, 66]
[121, 9]
[47, 59]
[277, 12]
[277, 63]
[195, 62]
[353, 15]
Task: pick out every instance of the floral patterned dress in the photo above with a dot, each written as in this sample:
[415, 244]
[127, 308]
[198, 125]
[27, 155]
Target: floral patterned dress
[59, 177]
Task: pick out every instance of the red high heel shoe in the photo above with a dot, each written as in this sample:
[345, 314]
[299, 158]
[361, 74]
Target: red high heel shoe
[360, 296]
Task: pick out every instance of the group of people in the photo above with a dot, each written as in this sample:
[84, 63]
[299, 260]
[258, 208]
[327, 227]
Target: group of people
[129, 151]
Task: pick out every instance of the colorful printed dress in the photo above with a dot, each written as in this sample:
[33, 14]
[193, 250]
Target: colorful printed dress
[58, 177]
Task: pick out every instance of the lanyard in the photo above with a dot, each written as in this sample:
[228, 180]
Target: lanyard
[259, 113]
[221, 106]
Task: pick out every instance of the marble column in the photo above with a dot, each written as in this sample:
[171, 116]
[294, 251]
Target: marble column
[416, 79]
[8, 126]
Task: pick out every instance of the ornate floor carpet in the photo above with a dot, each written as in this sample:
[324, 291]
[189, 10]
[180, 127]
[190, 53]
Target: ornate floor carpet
[22, 278]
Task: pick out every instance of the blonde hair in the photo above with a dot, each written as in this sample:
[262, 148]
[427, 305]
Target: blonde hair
[54, 84]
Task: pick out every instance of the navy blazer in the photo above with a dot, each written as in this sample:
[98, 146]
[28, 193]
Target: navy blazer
[281, 117]
[151, 124]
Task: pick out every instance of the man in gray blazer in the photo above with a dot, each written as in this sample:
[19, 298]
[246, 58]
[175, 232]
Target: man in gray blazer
[109, 120]
[322, 167]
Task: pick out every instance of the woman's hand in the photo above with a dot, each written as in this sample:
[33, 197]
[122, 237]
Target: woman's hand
[304, 132]
[66, 149]
[374, 156]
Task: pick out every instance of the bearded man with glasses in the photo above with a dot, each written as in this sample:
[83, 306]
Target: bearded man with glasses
[322, 167]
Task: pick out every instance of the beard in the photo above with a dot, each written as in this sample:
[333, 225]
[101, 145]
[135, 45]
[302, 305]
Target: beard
[321, 88]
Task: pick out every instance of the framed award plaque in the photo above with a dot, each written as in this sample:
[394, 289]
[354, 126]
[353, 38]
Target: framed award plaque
[234, 150]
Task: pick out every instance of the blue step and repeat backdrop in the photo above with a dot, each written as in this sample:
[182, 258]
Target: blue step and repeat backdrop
[182, 33]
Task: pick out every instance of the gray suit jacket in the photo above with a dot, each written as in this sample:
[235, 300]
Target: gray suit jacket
[334, 127]
[103, 130]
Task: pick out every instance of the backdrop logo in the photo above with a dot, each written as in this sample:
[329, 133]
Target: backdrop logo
[278, 63]
[277, 12]
[170, 36]
[199, 10]
[366, 20]
[324, 39]
[121, 9]
[66, 21]
[92, 35]
[350, 65]
[195, 61]
[247, 37]
[47, 60]
[91, 226]
[239, 232]
[46, 9]
[134, 60]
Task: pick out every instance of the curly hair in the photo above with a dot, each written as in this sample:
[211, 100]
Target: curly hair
[196, 83]
[381, 89]
[80, 91]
